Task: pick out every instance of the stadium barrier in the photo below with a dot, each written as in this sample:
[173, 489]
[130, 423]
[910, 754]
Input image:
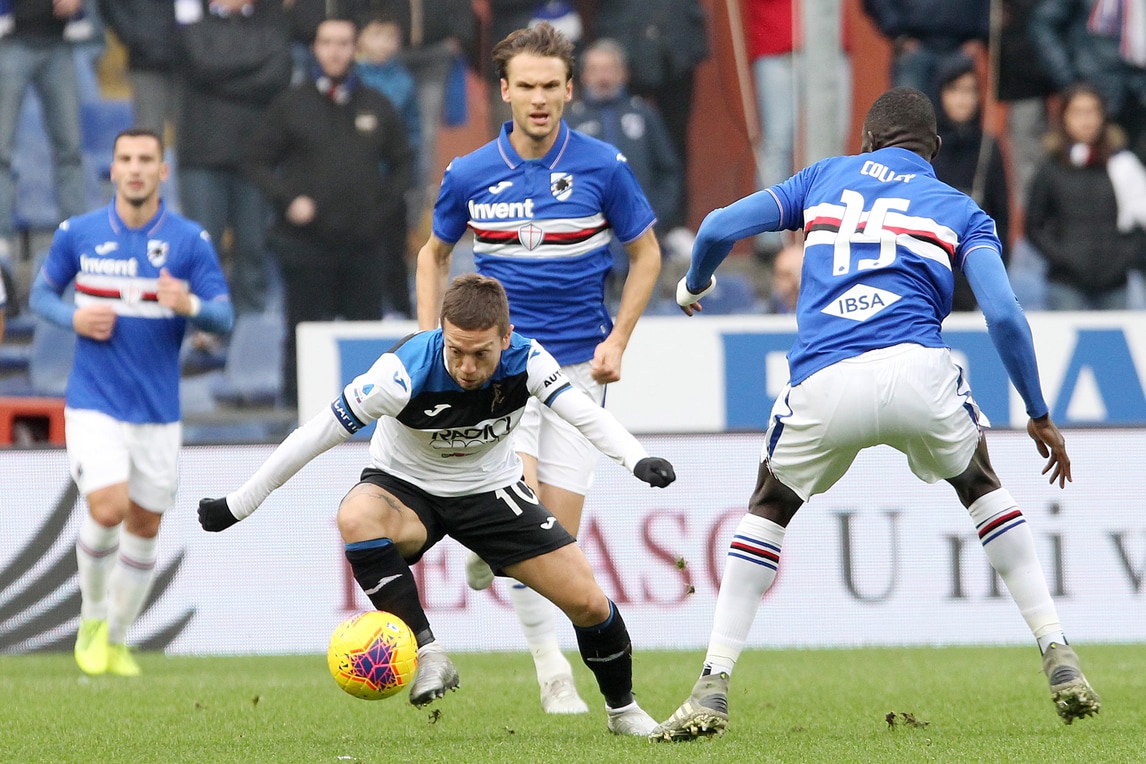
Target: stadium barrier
[722, 373]
[881, 559]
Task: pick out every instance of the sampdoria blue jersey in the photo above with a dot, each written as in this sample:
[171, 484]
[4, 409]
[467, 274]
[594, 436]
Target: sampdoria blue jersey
[134, 376]
[542, 228]
[882, 237]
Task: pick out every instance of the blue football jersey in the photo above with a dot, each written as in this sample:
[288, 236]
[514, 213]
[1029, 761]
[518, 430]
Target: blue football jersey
[543, 227]
[882, 237]
[133, 376]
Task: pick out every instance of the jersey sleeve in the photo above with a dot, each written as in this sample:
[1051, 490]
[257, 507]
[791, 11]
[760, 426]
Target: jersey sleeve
[207, 281]
[625, 205]
[384, 390]
[543, 375]
[981, 233]
[547, 382]
[61, 264]
[450, 214]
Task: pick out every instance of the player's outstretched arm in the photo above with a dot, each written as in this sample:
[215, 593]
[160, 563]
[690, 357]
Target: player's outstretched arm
[1051, 445]
[430, 277]
[320, 434]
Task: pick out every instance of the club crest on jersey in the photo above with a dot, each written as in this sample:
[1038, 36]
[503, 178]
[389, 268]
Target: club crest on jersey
[530, 236]
[157, 252]
[561, 184]
[498, 396]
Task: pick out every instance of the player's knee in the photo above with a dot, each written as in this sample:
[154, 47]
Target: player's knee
[359, 520]
[587, 606]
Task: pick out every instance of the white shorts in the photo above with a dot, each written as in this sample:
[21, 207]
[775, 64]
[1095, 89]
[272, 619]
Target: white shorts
[909, 397]
[104, 451]
[565, 458]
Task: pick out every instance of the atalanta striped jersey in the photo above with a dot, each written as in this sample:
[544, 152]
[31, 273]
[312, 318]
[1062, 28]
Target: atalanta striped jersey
[133, 376]
[882, 237]
[450, 441]
[543, 227]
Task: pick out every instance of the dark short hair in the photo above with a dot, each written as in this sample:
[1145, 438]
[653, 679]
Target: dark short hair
[539, 40]
[474, 302]
[902, 117]
[139, 132]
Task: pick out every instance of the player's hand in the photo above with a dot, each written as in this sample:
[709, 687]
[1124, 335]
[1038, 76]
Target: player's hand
[1051, 445]
[94, 321]
[172, 293]
[688, 301]
[215, 515]
[655, 471]
[606, 364]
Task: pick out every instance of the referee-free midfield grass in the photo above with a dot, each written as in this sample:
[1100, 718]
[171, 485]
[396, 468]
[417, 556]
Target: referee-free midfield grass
[950, 704]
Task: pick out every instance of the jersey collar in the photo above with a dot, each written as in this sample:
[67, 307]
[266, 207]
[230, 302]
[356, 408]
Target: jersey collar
[550, 160]
[119, 226]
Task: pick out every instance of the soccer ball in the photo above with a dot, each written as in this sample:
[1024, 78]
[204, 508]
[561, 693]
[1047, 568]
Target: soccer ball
[373, 655]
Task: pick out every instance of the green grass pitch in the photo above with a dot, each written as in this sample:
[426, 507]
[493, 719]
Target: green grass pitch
[967, 704]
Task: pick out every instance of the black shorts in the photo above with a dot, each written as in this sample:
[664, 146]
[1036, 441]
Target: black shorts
[503, 526]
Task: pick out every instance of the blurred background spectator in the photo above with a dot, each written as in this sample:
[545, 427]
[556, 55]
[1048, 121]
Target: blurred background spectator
[235, 57]
[1022, 84]
[970, 158]
[146, 29]
[926, 34]
[36, 38]
[603, 108]
[1087, 209]
[665, 41]
[1100, 42]
[787, 267]
[334, 159]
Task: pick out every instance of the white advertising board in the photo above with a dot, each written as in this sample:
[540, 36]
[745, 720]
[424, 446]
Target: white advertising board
[881, 559]
[722, 373]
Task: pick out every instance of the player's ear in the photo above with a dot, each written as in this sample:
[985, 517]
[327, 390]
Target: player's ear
[938, 145]
[867, 143]
[506, 338]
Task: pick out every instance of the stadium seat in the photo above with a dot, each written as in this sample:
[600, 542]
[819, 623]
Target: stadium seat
[49, 362]
[252, 375]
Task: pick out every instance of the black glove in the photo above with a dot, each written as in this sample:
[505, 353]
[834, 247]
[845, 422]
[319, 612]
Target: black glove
[654, 470]
[215, 515]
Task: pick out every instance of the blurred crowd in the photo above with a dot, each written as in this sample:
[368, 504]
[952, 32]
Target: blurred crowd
[234, 85]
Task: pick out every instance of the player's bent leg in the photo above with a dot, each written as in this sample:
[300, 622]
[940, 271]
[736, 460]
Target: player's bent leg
[1072, 695]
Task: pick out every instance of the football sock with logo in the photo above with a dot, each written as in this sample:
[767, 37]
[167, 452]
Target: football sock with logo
[749, 570]
[538, 623]
[1010, 548]
[387, 580]
[95, 556]
[130, 583]
[608, 652]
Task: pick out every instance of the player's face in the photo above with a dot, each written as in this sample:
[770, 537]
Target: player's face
[536, 89]
[137, 168]
[472, 355]
[334, 48]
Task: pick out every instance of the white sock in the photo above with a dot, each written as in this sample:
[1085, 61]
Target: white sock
[749, 571]
[1010, 548]
[130, 583]
[95, 556]
[539, 625]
